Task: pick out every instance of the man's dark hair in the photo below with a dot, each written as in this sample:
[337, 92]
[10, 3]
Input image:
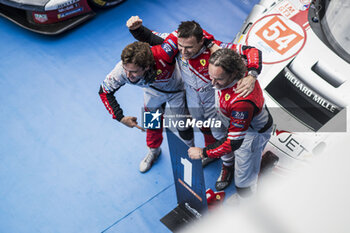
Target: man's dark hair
[230, 61]
[190, 28]
[138, 53]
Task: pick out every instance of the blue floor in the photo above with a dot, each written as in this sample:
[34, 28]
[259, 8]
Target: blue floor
[65, 165]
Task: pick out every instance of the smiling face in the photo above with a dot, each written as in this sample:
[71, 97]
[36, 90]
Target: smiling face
[225, 66]
[133, 72]
[219, 78]
[137, 58]
[189, 47]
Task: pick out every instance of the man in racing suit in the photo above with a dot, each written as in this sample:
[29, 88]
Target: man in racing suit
[193, 58]
[147, 67]
[248, 121]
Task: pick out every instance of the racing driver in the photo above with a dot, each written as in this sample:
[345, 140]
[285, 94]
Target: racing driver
[248, 121]
[147, 67]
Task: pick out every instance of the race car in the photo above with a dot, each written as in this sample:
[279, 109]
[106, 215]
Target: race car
[51, 17]
[305, 76]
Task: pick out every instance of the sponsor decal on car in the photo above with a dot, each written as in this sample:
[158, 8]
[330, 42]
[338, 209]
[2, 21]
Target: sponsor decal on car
[287, 10]
[60, 16]
[41, 17]
[309, 92]
[65, 8]
[67, 3]
[288, 142]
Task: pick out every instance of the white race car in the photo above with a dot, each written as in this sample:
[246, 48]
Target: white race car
[306, 55]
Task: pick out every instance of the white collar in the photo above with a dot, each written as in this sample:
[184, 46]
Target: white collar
[197, 54]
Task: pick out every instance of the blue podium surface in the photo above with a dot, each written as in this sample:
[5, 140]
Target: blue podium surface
[66, 165]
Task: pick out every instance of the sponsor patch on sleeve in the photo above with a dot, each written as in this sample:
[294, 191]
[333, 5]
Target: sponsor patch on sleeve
[171, 42]
[240, 115]
[238, 124]
[105, 87]
[167, 48]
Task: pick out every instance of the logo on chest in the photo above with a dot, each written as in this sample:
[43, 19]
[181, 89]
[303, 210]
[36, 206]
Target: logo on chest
[183, 62]
[162, 74]
[202, 67]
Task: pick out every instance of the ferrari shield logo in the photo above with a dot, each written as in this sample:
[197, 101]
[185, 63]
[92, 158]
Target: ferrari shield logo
[159, 72]
[203, 62]
[227, 96]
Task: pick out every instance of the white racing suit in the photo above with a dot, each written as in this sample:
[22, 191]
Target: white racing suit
[166, 87]
[249, 126]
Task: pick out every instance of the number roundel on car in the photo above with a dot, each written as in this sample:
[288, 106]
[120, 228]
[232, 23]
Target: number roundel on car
[278, 37]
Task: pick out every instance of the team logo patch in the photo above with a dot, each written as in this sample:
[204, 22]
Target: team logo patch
[239, 119]
[227, 96]
[203, 62]
[167, 48]
[239, 115]
[152, 120]
[159, 72]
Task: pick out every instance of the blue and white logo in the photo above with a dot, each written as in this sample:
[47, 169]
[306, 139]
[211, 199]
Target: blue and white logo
[167, 48]
[152, 120]
[240, 115]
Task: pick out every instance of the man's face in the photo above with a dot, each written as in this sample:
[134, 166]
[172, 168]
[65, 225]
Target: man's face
[134, 72]
[189, 47]
[219, 78]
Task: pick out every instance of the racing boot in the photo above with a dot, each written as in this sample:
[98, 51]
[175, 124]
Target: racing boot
[225, 177]
[268, 162]
[150, 158]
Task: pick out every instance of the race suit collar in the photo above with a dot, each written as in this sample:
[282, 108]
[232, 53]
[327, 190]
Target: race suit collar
[199, 52]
